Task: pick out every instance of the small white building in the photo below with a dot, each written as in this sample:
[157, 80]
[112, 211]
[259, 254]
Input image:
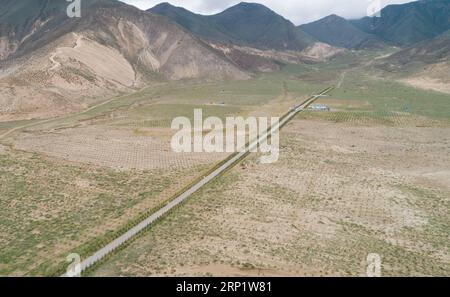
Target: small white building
[319, 107]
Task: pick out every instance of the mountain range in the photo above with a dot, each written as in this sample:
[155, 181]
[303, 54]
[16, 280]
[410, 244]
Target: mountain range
[397, 25]
[249, 24]
[51, 64]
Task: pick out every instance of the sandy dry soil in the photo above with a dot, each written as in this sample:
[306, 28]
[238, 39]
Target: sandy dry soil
[65, 80]
[322, 51]
[433, 77]
[428, 83]
[339, 192]
[106, 62]
[122, 149]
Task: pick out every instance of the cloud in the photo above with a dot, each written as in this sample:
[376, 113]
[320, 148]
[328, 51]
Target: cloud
[298, 11]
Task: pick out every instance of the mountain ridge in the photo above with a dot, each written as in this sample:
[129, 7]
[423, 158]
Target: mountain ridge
[247, 24]
[337, 31]
[410, 23]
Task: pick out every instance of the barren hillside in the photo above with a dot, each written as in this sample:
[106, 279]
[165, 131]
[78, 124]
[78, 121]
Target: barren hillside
[424, 65]
[112, 48]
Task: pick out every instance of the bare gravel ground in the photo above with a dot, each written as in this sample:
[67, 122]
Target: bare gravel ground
[121, 149]
[339, 192]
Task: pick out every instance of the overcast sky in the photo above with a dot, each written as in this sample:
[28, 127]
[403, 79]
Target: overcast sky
[298, 11]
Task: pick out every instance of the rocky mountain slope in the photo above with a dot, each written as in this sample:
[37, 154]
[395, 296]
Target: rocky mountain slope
[251, 36]
[53, 64]
[427, 52]
[425, 65]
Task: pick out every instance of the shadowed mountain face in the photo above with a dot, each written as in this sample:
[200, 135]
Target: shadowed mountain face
[337, 31]
[199, 25]
[409, 23]
[19, 15]
[27, 24]
[246, 24]
[19, 20]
